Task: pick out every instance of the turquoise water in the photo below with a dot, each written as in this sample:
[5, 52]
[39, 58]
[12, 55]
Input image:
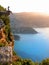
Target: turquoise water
[32, 46]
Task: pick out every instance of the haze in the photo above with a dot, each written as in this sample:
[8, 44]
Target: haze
[41, 6]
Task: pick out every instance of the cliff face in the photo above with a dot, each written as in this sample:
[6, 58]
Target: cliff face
[6, 54]
[6, 39]
[4, 36]
[5, 46]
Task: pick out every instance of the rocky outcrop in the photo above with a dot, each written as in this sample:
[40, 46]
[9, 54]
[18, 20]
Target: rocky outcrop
[6, 54]
[6, 47]
[6, 37]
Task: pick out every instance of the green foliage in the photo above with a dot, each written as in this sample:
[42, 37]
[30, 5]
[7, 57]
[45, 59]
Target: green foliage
[23, 62]
[7, 29]
[1, 44]
[2, 8]
[45, 62]
[36, 63]
[30, 62]
[14, 53]
[5, 18]
[6, 21]
[17, 63]
[6, 63]
[0, 63]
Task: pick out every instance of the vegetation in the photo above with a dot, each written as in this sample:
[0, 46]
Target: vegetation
[1, 44]
[7, 31]
[30, 62]
[27, 62]
[14, 53]
[21, 61]
[6, 20]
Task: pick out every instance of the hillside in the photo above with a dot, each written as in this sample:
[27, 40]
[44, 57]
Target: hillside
[29, 20]
[24, 30]
[20, 27]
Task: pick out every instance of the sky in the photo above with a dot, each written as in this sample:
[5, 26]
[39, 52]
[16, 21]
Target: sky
[41, 6]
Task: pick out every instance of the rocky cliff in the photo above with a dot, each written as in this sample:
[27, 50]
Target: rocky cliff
[6, 39]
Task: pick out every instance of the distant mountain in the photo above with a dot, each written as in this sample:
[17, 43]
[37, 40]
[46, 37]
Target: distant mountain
[19, 27]
[25, 22]
[24, 30]
[29, 20]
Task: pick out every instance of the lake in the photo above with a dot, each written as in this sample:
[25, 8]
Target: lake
[33, 46]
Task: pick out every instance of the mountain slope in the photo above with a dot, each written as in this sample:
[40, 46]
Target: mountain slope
[18, 26]
[25, 22]
[29, 20]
